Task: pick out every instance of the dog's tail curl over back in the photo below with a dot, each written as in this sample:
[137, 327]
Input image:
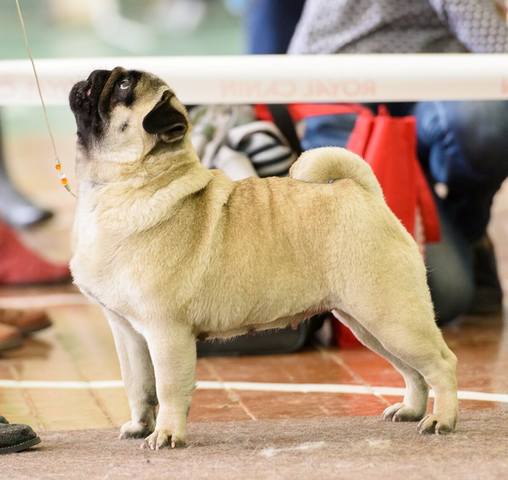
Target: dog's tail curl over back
[327, 164]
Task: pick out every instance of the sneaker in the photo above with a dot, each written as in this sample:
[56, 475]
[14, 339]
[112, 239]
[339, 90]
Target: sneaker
[21, 266]
[26, 321]
[10, 337]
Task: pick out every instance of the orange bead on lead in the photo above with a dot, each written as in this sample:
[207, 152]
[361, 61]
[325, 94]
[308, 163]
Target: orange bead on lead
[58, 166]
[64, 181]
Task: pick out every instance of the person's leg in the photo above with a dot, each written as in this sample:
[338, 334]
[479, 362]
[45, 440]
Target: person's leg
[270, 24]
[16, 209]
[463, 145]
[450, 272]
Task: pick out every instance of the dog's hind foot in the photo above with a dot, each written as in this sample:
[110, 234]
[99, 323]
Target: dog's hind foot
[400, 412]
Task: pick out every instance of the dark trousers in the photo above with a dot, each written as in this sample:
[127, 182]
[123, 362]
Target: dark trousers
[270, 24]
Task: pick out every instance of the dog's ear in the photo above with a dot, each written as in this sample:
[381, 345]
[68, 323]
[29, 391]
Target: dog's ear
[165, 120]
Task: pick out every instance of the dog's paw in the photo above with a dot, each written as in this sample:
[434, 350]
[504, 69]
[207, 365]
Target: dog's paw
[400, 412]
[434, 424]
[133, 429]
[161, 438]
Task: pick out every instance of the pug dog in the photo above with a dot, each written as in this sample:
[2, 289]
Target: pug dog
[173, 251]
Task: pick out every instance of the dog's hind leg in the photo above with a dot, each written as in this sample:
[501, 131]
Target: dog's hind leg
[414, 405]
[406, 329]
[138, 377]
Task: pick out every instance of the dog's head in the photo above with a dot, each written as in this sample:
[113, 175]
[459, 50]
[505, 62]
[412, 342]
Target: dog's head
[123, 114]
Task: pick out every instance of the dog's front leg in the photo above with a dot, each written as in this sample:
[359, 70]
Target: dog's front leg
[137, 375]
[173, 352]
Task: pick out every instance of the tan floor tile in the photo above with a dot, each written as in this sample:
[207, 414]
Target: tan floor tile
[216, 405]
[309, 366]
[69, 410]
[14, 406]
[278, 405]
[113, 402]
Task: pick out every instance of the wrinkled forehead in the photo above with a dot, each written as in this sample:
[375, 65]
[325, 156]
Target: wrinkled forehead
[147, 83]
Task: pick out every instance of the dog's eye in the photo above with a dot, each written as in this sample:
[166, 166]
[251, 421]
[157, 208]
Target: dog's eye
[124, 84]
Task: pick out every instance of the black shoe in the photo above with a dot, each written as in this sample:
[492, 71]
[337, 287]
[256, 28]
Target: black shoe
[488, 296]
[15, 438]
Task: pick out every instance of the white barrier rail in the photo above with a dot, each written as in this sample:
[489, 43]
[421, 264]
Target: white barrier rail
[279, 78]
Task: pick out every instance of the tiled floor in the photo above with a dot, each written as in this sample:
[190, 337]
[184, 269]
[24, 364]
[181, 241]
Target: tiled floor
[79, 347]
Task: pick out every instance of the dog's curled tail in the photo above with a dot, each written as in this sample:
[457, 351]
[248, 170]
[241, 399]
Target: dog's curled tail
[327, 164]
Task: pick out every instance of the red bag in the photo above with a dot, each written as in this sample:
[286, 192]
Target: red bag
[388, 144]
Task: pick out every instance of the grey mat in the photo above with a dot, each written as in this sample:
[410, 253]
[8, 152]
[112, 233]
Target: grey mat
[327, 448]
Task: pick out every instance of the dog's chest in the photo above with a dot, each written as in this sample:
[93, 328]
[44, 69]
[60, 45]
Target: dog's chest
[91, 262]
[95, 280]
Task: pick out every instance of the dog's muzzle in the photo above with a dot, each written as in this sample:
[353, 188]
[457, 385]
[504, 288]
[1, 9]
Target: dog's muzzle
[84, 96]
[89, 101]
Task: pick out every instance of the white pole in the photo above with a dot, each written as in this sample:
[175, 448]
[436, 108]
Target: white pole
[279, 78]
